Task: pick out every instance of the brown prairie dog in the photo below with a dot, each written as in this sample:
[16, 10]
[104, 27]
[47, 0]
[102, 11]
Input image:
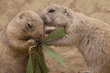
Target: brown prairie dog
[23, 31]
[90, 35]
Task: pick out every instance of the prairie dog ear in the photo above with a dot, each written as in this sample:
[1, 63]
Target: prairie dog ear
[65, 11]
[22, 16]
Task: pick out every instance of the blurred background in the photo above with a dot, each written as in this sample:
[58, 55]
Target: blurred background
[94, 8]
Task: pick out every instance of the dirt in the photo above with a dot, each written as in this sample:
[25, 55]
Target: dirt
[94, 8]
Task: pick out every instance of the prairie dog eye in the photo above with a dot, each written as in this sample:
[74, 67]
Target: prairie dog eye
[28, 23]
[51, 11]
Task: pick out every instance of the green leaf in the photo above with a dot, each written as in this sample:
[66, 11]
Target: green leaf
[33, 61]
[29, 68]
[53, 54]
[41, 60]
[42, 64]
[37, 70]
[55, 34]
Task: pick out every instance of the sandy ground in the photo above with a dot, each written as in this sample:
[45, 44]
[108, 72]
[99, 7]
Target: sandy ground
[94, 8]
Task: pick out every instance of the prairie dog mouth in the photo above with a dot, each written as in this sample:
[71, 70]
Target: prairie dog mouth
[50, 29]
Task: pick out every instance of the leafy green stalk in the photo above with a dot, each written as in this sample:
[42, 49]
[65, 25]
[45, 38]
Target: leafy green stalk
[36, 64]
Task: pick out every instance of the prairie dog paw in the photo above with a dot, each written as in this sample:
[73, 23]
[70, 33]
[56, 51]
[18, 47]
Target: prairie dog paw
[83, 72]
[31, 42]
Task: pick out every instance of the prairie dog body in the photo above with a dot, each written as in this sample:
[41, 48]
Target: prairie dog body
[23, 31]
[90, 35]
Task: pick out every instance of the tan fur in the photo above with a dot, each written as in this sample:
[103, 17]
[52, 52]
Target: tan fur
[16, 39]
[90, 35]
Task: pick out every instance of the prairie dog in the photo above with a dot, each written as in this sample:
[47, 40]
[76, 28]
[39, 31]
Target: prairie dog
[90, 35]
[23, 31]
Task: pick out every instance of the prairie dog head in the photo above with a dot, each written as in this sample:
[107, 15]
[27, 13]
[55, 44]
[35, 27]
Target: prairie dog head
[56, 15]
[24, 30]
